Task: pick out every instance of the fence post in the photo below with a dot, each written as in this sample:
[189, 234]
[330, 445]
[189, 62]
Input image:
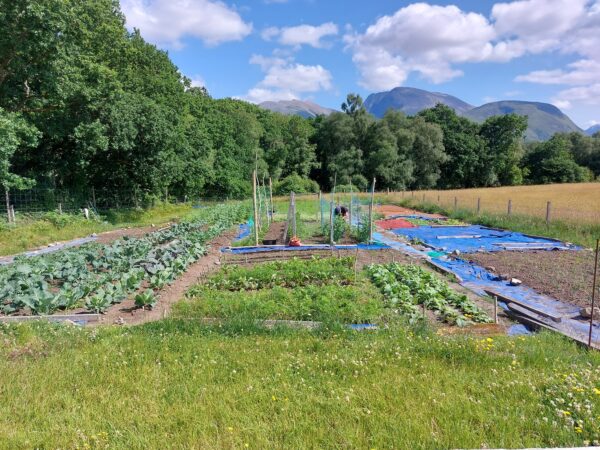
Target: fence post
[548, 208]
[455, 203]
[59, 207]
[271, 196]
[423, 198]
[254, 208]
[94, 197]
[331, 223]
[8, 206]
[12, 213]
[438, 199]
[478, 205]
[371, 212]
[594, 292]
[293, 200]
[509, 210]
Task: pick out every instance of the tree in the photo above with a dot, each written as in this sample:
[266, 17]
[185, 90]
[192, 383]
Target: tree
[15, 134]
[552, 162]
[503, 136]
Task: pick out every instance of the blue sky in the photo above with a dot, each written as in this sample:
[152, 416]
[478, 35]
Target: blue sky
[320, 50]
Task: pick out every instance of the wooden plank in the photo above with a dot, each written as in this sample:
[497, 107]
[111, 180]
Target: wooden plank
[52, 318]
[533, 309]
[443, 270]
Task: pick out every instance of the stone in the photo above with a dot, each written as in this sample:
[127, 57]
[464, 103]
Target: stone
[120, 321]
[504, 276]
[586, 313]
[490, 268]
[456, 252]
[515, 282]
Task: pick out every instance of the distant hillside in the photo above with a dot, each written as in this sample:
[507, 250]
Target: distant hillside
[543, 119]
[593, 129]
[299, 107]
[411, 101]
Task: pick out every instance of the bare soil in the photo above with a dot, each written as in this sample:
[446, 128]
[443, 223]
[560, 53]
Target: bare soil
[276, 232]
[563, 275]
[127, 313]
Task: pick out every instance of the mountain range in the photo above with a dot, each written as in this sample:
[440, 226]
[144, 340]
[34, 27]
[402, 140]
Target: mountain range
[544, 119]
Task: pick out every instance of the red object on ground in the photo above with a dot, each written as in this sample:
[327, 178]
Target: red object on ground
[391, 224]
[295, 242]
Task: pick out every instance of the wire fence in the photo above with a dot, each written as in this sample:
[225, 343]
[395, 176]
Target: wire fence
[18, 205]
[581, 209]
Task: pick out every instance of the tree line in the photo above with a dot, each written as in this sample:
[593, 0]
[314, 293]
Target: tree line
[84, 103]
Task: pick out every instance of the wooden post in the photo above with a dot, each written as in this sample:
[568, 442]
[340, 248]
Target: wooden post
[271, 196]
[320, 212]
[594, 292]
[331, 223]
[12, 213]
[478, 205]
[94, 198]
[371, 212]
[438, 199]
[509, 207]
[254, 207]
[59, 208]
[548, 208]
[495, 309]
[8, 206]
[293, 206]
[423, 198]
[455, 203]
[350, 212]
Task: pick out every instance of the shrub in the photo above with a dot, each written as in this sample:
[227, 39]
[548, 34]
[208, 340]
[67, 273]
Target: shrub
[295, 183]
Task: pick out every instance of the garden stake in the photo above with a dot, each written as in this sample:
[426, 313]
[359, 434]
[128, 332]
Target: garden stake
[254, 207]
[548, 206]
[495, 310]
[594, 292]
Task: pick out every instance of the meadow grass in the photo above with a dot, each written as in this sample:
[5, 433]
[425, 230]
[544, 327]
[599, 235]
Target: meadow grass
[176, 384]
[25, 236]
[577, 203]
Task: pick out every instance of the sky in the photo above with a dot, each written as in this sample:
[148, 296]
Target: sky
[320, 50]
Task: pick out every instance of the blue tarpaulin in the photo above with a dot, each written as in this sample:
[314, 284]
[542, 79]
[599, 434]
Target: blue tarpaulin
[244, 231]
[475, 238]
[266, 249]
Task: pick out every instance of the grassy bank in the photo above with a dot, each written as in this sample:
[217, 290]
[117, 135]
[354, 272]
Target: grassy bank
[54, 227]
[179, 385]
[579, 233]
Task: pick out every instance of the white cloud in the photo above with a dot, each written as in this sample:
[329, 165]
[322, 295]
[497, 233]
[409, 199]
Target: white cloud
[420, 38]
[167, 22]
[580, 72]
[197, 81]
[582, 95]
[286, 80]
[301, 34]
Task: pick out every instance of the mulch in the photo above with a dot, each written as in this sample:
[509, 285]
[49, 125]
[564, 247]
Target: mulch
[392, 224]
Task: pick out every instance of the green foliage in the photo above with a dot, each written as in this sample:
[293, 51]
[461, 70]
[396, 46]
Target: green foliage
[553, 162]
[101, 275]
[291, 273]
[146, 299]
[297, 184]
[329, 303]
[362, 233]
[406, 286]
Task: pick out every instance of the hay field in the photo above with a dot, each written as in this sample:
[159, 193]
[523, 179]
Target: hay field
[576, 202]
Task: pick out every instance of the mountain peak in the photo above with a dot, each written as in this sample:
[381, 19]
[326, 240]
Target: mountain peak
[299, 107]
[411, 101]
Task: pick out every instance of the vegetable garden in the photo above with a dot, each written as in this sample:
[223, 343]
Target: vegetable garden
[97, 276]
[407, 286]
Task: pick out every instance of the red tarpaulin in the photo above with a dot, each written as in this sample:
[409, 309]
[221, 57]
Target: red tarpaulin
[392, 224]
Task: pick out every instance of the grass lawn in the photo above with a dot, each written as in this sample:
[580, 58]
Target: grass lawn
[175, 384]
[37, 233]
